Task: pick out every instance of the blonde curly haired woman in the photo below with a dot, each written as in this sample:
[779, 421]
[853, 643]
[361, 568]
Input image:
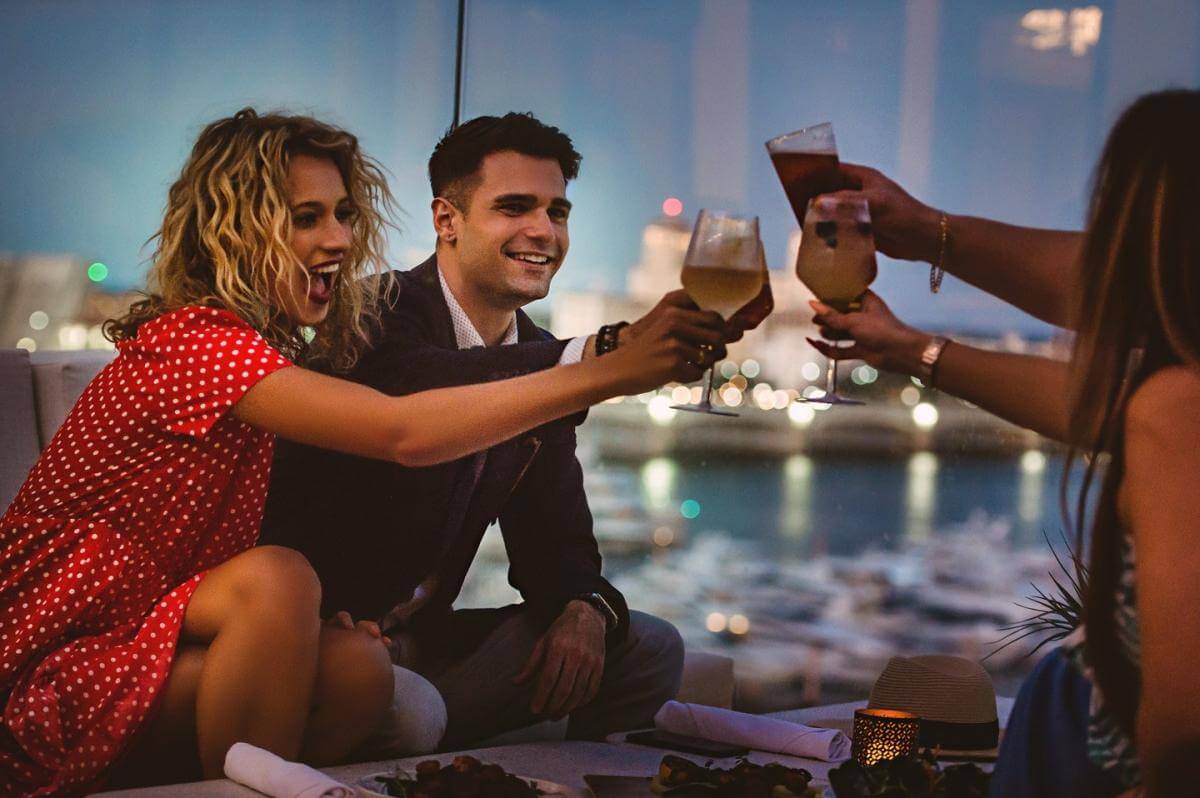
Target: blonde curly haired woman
[137, 623]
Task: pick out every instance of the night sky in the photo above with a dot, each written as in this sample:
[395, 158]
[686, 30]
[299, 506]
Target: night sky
[970, 108]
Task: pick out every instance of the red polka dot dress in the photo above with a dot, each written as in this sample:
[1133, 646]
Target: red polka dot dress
[148, 483]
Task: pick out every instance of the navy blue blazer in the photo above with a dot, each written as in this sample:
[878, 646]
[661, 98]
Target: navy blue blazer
[374, 530]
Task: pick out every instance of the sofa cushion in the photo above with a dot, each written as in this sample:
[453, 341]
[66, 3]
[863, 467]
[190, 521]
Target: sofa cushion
[19, 446]
[58, 380]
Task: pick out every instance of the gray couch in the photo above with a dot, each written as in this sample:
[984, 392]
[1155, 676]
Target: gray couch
[36, 392]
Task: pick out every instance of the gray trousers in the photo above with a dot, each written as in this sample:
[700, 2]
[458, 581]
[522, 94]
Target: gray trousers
[640, 674]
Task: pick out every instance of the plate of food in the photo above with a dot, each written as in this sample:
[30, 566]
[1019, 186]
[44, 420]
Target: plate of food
[682, 778]
[464, 777]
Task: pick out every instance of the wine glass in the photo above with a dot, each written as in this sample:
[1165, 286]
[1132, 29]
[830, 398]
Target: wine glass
[837, 262]
[722, 271]
[806, 161]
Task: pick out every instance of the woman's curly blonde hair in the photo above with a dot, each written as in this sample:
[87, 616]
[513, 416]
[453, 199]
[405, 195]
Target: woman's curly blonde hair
[224, 237]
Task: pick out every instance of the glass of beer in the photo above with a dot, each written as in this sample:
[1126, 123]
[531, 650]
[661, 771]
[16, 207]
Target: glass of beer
[836, 261]
[722, 271]
[807, 164]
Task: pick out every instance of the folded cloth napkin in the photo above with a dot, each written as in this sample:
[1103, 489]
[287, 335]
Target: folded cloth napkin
[263, 771]
[753, 731]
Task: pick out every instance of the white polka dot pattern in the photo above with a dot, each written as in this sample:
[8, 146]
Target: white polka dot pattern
[147, 484]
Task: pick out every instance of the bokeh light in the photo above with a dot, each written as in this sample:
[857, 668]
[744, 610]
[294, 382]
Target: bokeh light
[672, 206]
[690, 508]
[925, 415]
[97, 272]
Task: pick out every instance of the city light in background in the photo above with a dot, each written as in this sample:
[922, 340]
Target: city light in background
[778, 531]
[676, 122]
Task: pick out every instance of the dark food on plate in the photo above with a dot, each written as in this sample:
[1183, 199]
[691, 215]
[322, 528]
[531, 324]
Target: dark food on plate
[908, 777]
[743, 780]
[465, 777]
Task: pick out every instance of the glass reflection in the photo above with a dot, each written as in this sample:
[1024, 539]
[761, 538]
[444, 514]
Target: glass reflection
[658, 477]
[920, 496]
[796, 503]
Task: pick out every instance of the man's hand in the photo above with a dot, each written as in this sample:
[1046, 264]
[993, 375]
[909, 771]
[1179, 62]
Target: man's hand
[675, 303]
[568, 661]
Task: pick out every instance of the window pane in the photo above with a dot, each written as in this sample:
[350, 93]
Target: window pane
[843, 535]
[113, 94]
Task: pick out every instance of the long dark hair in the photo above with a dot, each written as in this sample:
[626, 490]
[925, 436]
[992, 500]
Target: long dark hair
[1138, 310]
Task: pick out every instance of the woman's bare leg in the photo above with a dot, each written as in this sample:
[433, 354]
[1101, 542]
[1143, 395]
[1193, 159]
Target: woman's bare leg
[258, 613]
[352, 694]
[352, 697]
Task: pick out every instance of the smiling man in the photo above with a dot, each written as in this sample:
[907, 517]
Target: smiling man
[394, 544]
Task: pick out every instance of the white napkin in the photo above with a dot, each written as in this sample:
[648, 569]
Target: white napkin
[753, 731]
[263, 771]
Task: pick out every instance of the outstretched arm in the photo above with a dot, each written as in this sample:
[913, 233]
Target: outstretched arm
[1030, 268]
[1028, 391]
[447, 423]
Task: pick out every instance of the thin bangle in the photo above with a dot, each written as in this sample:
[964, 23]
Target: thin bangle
[938, 271]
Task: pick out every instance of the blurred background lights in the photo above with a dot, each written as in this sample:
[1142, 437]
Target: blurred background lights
[38, 320]
[728, 369]
[716, 622]
[97, 272]
[664, 536]
[925, 415]
[681, 395]
[801, 414]
[751, 368]
[810, 371]
[739, 624]
[28, 344]
[660, 410]
[672, 206]
[690, 508]
[910, 395]
[1033, 462]
[72, 336]
[731, 395]
[864, 375]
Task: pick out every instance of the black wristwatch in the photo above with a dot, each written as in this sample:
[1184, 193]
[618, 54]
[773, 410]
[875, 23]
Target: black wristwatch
[600, 603]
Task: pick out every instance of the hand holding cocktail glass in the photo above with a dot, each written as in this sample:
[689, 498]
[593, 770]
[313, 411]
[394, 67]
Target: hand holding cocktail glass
[836, 259]
[724, 271]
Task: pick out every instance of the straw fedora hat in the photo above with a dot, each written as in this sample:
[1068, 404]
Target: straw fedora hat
[953, 697]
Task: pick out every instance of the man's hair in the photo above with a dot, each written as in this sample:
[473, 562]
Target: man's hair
[456, 160]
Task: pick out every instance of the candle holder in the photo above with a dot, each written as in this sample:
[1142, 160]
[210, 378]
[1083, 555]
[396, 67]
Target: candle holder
[883, 734]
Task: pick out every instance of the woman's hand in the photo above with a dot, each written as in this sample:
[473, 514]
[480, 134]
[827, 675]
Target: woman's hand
[880, 339]
[343, 620]
[904, 227]
[676, 345]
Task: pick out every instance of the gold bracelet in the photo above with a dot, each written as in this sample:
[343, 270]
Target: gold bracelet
[937, 271]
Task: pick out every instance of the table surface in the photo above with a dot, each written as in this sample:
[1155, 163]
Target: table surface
[563, 762]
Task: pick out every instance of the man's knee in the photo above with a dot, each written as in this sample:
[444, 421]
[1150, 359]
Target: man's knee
[656, 648]
[415, 722]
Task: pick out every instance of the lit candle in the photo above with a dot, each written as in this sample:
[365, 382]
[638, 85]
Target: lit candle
[883, 734]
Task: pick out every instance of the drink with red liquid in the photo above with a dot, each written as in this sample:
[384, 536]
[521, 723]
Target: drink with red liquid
[805, 175]
[807, 164]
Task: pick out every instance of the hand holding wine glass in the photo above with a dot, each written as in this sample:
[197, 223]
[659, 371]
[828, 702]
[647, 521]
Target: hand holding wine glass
[722, 271]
